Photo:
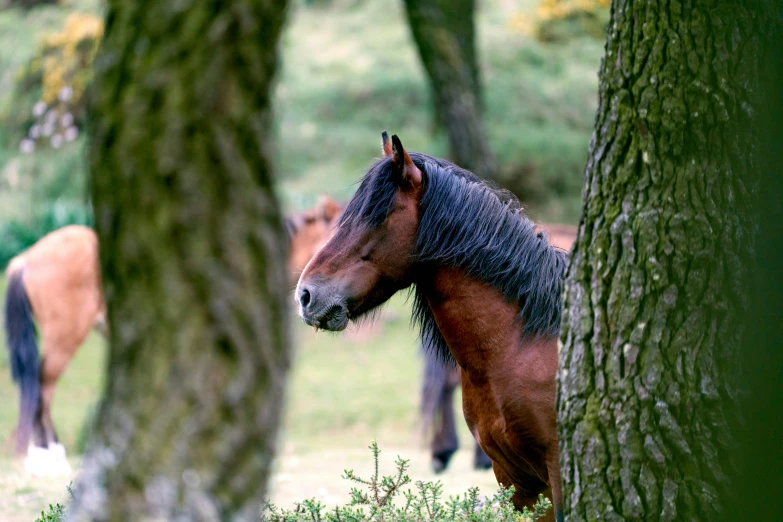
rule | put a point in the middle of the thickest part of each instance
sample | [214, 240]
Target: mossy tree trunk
[193, 260]
[651, 334]
[444, 32]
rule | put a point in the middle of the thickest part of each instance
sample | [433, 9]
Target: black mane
[466, 223]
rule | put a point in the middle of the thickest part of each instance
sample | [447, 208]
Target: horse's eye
[365, 257]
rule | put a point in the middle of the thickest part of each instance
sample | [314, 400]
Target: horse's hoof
[47, 462]
[438, 466]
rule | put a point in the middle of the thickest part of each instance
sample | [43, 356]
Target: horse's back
[62, 281]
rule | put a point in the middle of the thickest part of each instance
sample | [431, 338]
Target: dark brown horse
[441, 380]
[487, 290]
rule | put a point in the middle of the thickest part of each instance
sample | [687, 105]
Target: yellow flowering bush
[66, 57]
[559, 20]
[49, 105]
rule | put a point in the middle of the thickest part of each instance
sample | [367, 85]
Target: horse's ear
[330, 209]
[386, 144]
[409, 172]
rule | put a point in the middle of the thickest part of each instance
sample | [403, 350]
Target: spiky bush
[391, 499]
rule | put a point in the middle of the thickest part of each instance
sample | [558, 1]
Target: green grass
[343, 391]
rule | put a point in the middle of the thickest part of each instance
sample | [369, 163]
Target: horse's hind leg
[480, 459]
[52, 367]
[553, 468]
[445, 442]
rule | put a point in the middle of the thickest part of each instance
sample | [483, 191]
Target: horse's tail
[20, 339]
[436, 375]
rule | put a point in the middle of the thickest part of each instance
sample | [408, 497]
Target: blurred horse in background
[308, 231]
[57, 283]
[441, 379]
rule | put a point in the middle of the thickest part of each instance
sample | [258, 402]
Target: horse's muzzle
[320, 310]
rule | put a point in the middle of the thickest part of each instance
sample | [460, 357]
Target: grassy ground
[344, 391]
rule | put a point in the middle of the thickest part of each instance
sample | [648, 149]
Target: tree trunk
[444, 32]
[651, 335]
[759, 452]
[193, 259]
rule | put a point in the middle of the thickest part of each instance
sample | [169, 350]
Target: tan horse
[57, 282]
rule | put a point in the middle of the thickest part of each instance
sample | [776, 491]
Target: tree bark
[651, 331]
[444, 32]
[193, 258]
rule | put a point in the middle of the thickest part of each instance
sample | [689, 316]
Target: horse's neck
[480, 326]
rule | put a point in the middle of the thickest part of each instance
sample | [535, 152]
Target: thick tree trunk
[193, 261]
[759, 451]
[651, 336]
[444, 32]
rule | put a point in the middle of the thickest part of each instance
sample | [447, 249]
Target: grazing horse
[487, 292]
[57, 282]
[441, 380]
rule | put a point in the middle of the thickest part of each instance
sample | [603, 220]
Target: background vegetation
[334, 96]
[349, 71]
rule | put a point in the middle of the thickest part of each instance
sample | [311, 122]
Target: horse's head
[308, 231]
[371, 254]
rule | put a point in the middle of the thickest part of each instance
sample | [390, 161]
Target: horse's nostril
[304, 297]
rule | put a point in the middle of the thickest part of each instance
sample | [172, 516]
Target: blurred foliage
[345, 77]
[562, 20]
[49, 100]
[25, 3]
[18, 235]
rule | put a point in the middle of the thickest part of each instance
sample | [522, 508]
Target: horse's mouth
[333, 318]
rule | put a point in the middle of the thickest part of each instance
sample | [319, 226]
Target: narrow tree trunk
[444, 32]
[193, 261]
[651, 336]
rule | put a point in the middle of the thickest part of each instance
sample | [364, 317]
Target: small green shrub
[55, 513]
[375, 502]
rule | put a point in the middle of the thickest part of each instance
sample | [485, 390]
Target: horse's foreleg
[553, 468]
[521, 498]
